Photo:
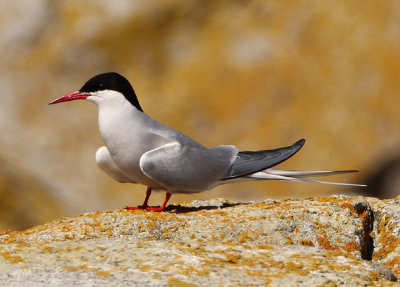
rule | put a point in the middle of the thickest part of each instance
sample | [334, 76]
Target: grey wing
[189, 167]
[249, 162]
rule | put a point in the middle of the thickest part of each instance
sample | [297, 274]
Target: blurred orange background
[256, 74]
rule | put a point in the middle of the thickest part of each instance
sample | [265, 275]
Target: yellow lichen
[47, 249]
[172, 281]
[306, 242]
[387, 241]
[351, 246]
[103, 273]
[323, 241]
[350, 207]
[144, 268]
[11, 258]
[289, 240]
[70, 268]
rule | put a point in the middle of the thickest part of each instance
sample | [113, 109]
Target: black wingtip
[300, 142]
[249, 162]
[298, 145]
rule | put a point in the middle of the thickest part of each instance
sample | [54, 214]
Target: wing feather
[248, 162]
[187, 168]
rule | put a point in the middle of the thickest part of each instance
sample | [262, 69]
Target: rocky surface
[386, 232]
[340, 240]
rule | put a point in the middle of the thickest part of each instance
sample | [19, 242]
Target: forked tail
[300, 175]
[256, 165]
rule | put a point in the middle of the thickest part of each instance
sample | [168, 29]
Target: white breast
[127, 134]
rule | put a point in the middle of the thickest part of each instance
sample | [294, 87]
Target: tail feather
[256, 165]
[306, 173]
[293, 175]
[300, 176]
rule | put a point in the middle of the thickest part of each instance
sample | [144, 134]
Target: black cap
[112, 81]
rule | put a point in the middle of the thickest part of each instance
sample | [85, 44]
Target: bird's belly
[129, 165]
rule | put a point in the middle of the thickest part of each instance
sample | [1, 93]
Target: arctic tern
[139, 149]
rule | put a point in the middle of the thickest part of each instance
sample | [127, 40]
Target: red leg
[145, 203]
[162, 207]
[146, 200]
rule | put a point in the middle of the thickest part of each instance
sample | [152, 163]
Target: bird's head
[104, 88]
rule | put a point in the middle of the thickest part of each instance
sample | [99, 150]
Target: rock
[288, 242]
[386, 232]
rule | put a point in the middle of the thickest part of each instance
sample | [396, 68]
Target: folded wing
[187, 168]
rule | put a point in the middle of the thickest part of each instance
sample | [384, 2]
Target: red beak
[75, 95]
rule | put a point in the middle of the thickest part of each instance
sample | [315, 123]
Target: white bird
[139, 149]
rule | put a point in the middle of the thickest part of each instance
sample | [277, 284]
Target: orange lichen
[10, 238]
[257, 273]
[329, 199]
[144, 268]
[387, 241]
[265, 246]
[105, 228]
[11, 258]
[244, 237]
[394, 265]
[351, 246]
[190, 270]
[103, 273]
[232, 258]
[350, 207]
[70, 268]
[179, 283]
[47, 249]
[389, 244]
[306, 242]
[150, 225]
[323, 241]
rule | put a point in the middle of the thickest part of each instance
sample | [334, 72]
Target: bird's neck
[114, 122]
[127, 129]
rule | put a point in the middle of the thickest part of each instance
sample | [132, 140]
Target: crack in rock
[365, 212]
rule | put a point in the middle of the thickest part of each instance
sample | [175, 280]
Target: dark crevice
[365, 212]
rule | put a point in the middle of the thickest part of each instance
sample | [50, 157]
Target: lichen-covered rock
[386, 232]
[288, 242]
[325, 222]
[101, 261]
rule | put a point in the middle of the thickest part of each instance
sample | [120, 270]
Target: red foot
[147, 208]
[150, 208]
[156, 209]
[136, 207]
[144, 206]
